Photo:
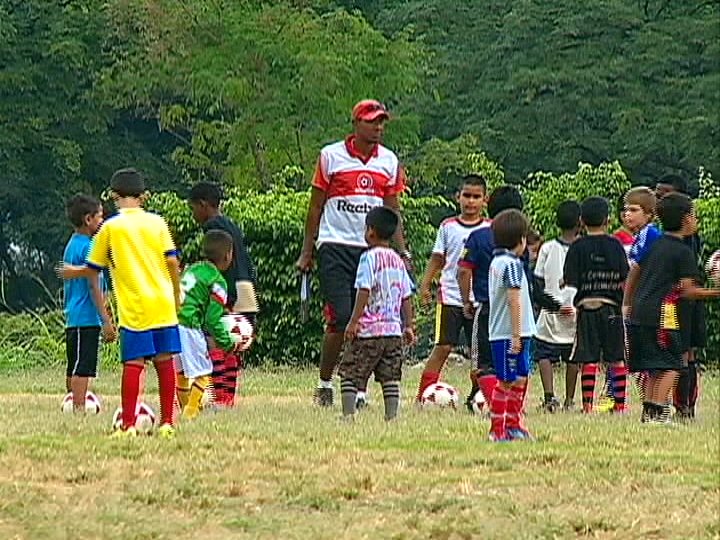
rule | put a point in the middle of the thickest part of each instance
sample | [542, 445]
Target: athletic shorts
[480, 344]
[450, 321]
[600, 335]
[693, 327]
[555, 352]
[194, 360]
[337, 270]
[647, 353]
[82, 348]
[146, 344]
[508, 366]
[382, 356]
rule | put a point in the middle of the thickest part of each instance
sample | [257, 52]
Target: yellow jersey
[134, 244]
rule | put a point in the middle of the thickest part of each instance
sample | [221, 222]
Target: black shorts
[600, 336]
[449, 322]
[646, 352]
[555, 352]
[693, 327]
[480, 351]
[82, 348]
[337, 270]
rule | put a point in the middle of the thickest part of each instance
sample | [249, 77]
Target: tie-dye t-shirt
[383, 273]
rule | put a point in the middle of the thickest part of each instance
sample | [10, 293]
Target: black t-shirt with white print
[669, 260]
[596, 265]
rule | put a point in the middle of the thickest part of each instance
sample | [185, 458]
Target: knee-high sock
[348, 393]
[196, 393]
[587, 383]
[487, 384]
[166, 388]
[129, 391]
[515, 403]
[498, 410]
[618, 376]
[231, 375]
[694, 386]
[183, 389]
[428, 378]
[217, 356]
[391, 397]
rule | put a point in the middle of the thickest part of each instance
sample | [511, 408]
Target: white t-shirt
[553, 327]
[382, 271]
[450, 243]
[507, 272]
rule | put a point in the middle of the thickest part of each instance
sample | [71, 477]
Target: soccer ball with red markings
[440, 395]
[478, 403]
[92, 403]
[712, 267]
[240, 329]
[144, 421]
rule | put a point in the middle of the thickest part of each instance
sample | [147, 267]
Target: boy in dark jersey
[205, 199]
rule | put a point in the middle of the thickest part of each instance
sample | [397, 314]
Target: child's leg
[166, 386]
[694, 384]
[388, 373]
[546, 377]
[356, 364]
[130, 389]
[199, 384]
[79, 387]
[481, 352]
[183, 389]
[231, 378]
[587, 383]
[618, 377]
[514, 422]
[433, 367]
[217, 356]
[572, 370]
[501, 392]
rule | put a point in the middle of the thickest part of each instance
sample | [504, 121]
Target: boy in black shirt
[596, 265]
[668, 274]
[205, 199]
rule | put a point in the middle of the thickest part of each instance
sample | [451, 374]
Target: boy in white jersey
[556, 331]
[511, 326]
[382, 316]
[449, 245]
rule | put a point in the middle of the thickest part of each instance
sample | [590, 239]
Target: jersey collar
[354, 152]
[504, 251]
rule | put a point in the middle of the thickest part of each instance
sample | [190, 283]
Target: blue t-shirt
[507, 272]
[79, 307]
[643, 242]
[478, 254]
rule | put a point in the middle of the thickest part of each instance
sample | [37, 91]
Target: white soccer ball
[92, 403]
[478, 403]
[144, 421]
[440, 395]
[712, 267]
[239, 328]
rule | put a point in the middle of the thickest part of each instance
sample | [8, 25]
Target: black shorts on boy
[600, 335]
[82, 348]
[555, 352]
[450, 321]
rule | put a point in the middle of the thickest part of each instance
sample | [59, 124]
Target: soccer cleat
[605, 404]
[569, 406]
[190, 413]
[361, 402]
[519, 434]
[128, 433]
[166, 431]
[684, 415]
[323, 397]
[551, 406]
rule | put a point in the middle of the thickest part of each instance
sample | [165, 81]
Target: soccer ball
[144, 421]
[239, 328]
[92, 403]
[478, 403]
[440, 395]
[712, 267]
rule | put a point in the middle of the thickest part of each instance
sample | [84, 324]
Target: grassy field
[277, 467]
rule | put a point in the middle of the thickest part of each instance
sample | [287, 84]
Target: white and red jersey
[450, 243]
[354, 185]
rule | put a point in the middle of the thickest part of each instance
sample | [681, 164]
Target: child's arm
[98, 298]
[361, 301]
[213, 319]
[436, 263]
[630, 285]
[689, 289]
[173, 266]
[513, 296]
[408, 317]
[74, 271]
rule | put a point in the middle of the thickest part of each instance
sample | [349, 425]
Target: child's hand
[351, 331]
[109, 332]
[469, 310]
[515, 345]
[409, 336]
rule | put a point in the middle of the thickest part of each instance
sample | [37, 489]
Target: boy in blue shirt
[86, 316]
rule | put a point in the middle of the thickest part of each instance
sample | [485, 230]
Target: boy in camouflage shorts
[382, 317]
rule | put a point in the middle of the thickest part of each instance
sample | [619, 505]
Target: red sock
[619, 387]
[129, 391]
[428, 378]
[230, 378]
[217, 356]
[166, 387]
[515, 403]
[587, 383]
[498, 411]
[487, 384]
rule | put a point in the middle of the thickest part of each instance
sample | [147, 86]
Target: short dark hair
[594, 211]
[474, 179]
[504, 198]
[216, 245]
[383, 220]
[672, 209]
[678, 183]
[567, 215]
[127, 183]
[79, 206]
[210, 192]
[509, 228]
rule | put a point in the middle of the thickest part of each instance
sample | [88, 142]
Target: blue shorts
[146, 344]
[509, 367]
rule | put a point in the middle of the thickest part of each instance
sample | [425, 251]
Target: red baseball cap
[369, 110]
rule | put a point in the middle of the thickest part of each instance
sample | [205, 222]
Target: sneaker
[494, 437]
[128, 433]
[551, 406]
[323, 397]
[519, 434]
[361, 402]
[166, 431]
[469, 400]
[684, 415]
[605, 404]
[569, 406]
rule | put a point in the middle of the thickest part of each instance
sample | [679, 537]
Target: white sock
[362, 395]
[325, 384]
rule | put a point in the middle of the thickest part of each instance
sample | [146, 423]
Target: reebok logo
[360, 208]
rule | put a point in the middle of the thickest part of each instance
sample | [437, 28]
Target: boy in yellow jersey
[137, 247]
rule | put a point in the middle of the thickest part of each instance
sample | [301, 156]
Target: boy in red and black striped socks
[596, 265]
